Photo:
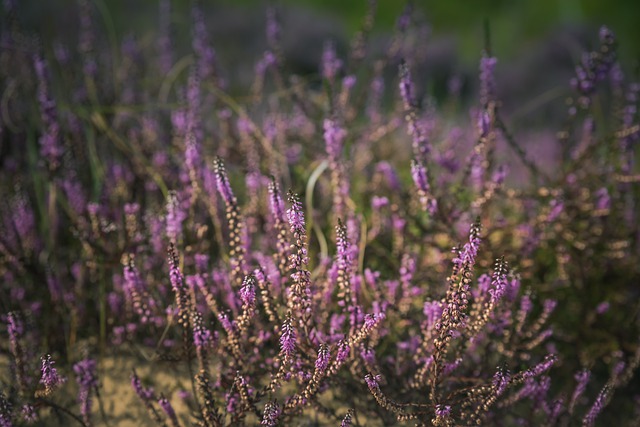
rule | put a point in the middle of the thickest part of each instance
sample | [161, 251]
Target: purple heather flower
[346, 421]
[50, 378]
[343, 248]
[582, 378]
[498, 282]
[271, 414]
[29, 414]
[484, 124]
[331, 64]
[451, 366]
[15, 328]
[369, 356]
[288, 338]
[334, 136]
[168, 409]
[487, 82]
[175, 276]
[541, 367]
[470, 249]
[248, 291]
[87, 379]
[406, 86]
[484, 283]
[373, 381]
[618, 368]
[275, 200]
[201, 335]
[227, 324]
[500, 174]
[222, 182]
[267, 60]
[500, 381]
[419, 175]
[322, 362]
[144, 393]
[549, 305]
[443, 411]
[343, 352]
[596, 408]
[433, 312]
[373, 320]
[192, 154]
[295, 215]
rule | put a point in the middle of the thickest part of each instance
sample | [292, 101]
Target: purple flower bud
[87, 379]
[222, 182]
[498, 282]
[50, 378]
[248, 291]
[470, 250]
[29, 414]
[322, 362]
[598, 405]
[168, 409]
[346, 421]
[271, 414]
[500, 381]
[373, 320]
[373, 381]
[343, 352]
[443, 411]
[582, 378]
[543, 366]
[295, 215]
[201, 335]
[144, 393]
[406, 86]
[484, 124]
[288, 339]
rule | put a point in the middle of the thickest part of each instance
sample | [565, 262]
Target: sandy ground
[119, 402]
[121, 405]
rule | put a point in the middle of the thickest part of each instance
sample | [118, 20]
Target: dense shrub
[288, 249]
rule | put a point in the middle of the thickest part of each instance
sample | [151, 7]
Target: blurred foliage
[515, 25]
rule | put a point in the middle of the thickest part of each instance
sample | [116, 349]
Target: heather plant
[333, 249]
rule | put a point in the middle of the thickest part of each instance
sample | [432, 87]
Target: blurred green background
[515, 24]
